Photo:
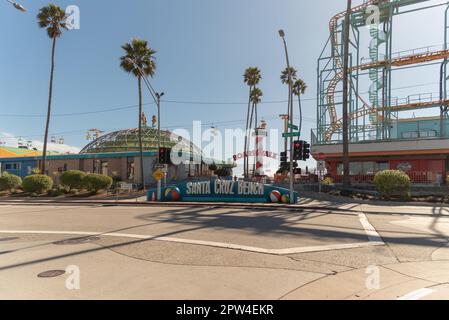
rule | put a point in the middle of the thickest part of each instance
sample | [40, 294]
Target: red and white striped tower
[260, 135]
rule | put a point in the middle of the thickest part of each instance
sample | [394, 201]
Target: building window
[12, 166]
[104, 168]
[367, 168]
[131, 168]
[410, 135]
[428, 134]
[356, 168]
[382, 166]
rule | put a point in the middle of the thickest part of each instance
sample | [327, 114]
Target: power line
[114, 109]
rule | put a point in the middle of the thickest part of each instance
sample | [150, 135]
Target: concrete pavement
[201, 252]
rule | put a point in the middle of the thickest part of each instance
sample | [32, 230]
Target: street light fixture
[157, 99]
[16, 5]
[290, 114]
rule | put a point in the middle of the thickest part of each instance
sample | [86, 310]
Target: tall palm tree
[285, 75]
[53, 18]
[256, 98]
[299, 88]
[140, 61]
[252, 78]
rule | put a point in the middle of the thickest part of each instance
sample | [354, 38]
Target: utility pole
[290, 112]
[346, 166]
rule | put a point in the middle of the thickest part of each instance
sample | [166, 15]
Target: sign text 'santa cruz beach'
[217, 190]
[224, 187]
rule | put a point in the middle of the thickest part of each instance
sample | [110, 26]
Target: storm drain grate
[8, 239]
[51, 274]
[83, 240]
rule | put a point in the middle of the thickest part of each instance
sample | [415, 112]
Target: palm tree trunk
[50, 95]
[255, 128]
[300, 114]
[142, 173]
[250, 127]
[245, 159]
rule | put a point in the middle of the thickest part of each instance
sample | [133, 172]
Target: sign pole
[159, 190]
[319, 181]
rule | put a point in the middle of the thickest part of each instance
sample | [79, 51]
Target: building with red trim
[415, 146]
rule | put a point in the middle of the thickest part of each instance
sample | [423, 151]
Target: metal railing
[417, 177]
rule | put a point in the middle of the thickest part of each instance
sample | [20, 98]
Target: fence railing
[415, 177]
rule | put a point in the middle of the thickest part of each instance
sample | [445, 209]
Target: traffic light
[283, 157]
[164, 155]
[305, 151]
[284, 161]
[298, 150]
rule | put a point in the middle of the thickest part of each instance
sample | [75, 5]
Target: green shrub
[391, 183]
[73, 179]
[57, 191]
[96, 182]
[328, 181]
[37, 183]
[9, 182]
[213, 167]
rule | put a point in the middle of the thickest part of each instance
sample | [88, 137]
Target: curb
[180, 204]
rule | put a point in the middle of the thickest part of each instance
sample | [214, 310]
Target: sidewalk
[311, 201]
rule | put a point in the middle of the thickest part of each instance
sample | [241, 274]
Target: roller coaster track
[367, 109]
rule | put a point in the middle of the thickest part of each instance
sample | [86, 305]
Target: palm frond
[143, 56]
[53, 18]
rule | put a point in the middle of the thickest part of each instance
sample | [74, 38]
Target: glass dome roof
[128, 141]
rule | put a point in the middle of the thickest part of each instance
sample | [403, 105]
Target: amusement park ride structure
[370, 118]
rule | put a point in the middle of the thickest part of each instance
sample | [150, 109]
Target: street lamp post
[16, 5]
[157, 99]
[346, 165]
[290, 114]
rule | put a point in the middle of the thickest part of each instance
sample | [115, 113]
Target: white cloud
[10, 140]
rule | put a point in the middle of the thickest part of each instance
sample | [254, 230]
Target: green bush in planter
[391, 183]
[73, 179]
[9, 182]
[96, 182]
[37, 183]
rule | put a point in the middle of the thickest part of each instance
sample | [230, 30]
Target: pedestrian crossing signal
[305, 151]
[164, 155]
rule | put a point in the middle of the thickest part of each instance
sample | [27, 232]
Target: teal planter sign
[224, 191]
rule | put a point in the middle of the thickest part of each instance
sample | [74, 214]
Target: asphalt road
[115, 252]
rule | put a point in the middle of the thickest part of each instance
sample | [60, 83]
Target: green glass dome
[128, 141]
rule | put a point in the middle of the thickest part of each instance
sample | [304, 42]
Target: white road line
[206, 243]
[418, 294]
[371, 232]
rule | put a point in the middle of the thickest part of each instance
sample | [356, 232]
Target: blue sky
[203, 48]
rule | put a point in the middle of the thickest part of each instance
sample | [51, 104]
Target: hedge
[37, 183]
[390, 183]
[73, 179]
[9, 182]
[96, 182]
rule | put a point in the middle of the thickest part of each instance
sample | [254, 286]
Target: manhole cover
[8, 239]
[51, 274]
[83, 240]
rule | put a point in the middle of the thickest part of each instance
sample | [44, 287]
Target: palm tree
[252, 78]
[299, 88]
[285, 75]
[53, 18]
[140, 61]
[256, 98]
